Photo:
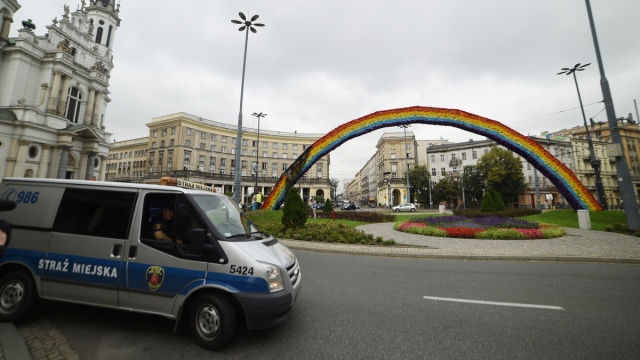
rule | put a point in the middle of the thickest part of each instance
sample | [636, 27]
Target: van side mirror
[197, 241]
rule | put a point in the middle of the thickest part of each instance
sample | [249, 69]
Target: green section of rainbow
[562, 177]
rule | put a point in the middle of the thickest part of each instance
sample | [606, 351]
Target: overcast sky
[319, 64]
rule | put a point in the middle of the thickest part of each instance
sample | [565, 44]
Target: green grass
[569, 218]
[562, 218]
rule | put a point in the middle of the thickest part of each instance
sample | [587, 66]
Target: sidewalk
[577, 246]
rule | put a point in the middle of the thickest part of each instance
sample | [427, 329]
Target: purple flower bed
[477, 223]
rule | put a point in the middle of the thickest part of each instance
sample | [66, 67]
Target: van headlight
[274, 277]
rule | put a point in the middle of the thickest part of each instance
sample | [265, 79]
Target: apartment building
[203, 151]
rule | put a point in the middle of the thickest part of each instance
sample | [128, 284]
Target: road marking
[548, 307]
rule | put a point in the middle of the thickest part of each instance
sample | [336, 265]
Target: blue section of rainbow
[562, 177]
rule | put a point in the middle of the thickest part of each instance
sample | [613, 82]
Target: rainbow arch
[562, 177]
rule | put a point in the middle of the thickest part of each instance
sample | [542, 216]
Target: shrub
[617, 228]
[328, 206]
[294, 214]
[501, 234]
[553, 232]
[492, 201]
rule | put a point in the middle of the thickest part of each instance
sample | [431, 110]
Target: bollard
[333, 215]
[584, 221]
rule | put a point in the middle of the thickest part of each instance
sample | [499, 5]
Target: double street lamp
[258, 115]
[595, 163]
[246, 26]
[406, 154]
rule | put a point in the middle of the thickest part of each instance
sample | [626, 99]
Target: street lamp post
[406, 154]
[595, 163]
[246, 26]
[430, 201]
[258, 115]
[625, 184]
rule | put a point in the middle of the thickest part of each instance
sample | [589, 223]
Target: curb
[364, 250]
[12, 345]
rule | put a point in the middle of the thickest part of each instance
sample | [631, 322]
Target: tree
[447, 190]
[419, 179]
[294, 214]
[503, 172]
[334, 187]
[473, 185]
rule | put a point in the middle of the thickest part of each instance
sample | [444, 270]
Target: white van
[96, 243]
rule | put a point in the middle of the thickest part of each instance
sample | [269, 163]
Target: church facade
[54, 92]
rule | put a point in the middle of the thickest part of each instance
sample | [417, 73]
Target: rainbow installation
[576, 194]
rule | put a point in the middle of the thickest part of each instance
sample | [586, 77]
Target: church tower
[55, 91]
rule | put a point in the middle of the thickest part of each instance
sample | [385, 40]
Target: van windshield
[225, 215]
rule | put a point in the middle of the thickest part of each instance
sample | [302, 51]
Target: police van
[98, 243]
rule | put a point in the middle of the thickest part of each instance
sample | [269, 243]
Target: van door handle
[133, 250]
[115, 250]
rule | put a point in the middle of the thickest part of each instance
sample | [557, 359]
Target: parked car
[404, 207]
[351, 206]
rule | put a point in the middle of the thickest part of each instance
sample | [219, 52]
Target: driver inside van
[163, 225]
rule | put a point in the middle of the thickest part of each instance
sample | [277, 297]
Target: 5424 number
[241, 270]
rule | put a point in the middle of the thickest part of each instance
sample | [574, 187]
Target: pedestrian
[253, 202]
[313, 207]
[258, 201]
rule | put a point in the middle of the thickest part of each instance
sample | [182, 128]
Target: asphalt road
[360, 307]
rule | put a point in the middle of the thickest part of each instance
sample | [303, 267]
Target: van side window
[99, 213]
[167, 224]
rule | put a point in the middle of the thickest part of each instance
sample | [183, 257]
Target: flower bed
[490, 227]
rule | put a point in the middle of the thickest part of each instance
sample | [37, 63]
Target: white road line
[548, 307]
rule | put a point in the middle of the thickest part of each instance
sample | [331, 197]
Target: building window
[464, 156]
[187, 160]
[188, 131]
[162, 144]
[99, 35]
[275, 145]
[441, 157]
[443, 172]
[74, 100]
[173, 131]
[433, 158]
[187, 143]
[172, 142]
[393, 156]
[213, 148]
[285, 146]
[214, 137]
[203, 146]
[275, 155]
[109, 35]
[244, 152]
[285, 155]
[155, 133]
[433, 171]
[265, 154]
[203, 135]
[265, 144]
[474, 154]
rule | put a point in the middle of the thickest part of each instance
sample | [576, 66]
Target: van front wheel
[17, 294]
[212, 321]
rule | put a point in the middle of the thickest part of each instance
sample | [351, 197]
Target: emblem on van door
[155, 275]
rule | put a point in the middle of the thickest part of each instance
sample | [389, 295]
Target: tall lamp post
[595, 163]
[246, 26]
[258, 115]
[406, 154]
[626, 186]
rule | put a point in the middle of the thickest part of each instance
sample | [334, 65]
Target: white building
[54, 92]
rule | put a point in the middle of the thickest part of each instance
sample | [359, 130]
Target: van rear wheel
[17, 295]
[212, 321]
